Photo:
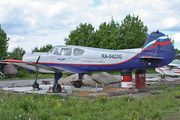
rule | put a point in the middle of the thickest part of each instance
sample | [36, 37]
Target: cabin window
[63, 51]
[78, 52]
[66, 51]
[57, 51]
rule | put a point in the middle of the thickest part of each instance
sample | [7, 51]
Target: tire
[78, 84]
[56, 88]
[35, 85]
[162, 76]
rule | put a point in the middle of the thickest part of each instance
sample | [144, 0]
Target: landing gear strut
[57, 88]
[35, 84]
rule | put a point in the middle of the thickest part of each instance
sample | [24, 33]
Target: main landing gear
[56, 87]
[78, 82]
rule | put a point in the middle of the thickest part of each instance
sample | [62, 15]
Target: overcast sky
[32, 23]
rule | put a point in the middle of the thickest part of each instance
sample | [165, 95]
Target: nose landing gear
[35, 84]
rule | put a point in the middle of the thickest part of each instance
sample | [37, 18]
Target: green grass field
[55, 107]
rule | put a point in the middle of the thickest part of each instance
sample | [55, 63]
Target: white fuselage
[89, 55]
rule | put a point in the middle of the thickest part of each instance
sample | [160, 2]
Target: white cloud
[41, 22]
[176, 38]
[170, 22]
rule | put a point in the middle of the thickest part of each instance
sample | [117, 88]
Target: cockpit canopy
[65, 51]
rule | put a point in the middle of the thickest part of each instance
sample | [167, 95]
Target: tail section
[158, 46]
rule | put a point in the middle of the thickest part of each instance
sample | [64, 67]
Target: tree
[3, 43]
[82, 36]
[107, 35]
[175, 49]
[17, 53]
[132, 32]
[176, 53]
[45, 48]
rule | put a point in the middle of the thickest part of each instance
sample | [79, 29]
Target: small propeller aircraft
[63, 59]
[172, 69]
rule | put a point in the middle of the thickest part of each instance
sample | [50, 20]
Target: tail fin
[158, 45]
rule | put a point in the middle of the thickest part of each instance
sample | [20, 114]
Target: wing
[35, 66]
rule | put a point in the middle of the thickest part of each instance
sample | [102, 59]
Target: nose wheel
[35, 85]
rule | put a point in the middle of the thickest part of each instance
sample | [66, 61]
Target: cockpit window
[78, 52]
[66, 51]
[51, 50]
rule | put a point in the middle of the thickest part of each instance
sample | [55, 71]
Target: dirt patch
[87, 80]
[174, 117]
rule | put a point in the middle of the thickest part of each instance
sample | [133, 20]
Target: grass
[45, 107]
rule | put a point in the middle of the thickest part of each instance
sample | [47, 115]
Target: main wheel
[162, 76]
[78, 84]
[35, 85]
[56, 88]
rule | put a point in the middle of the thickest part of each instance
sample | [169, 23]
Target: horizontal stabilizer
[151, 57]
[173, 65]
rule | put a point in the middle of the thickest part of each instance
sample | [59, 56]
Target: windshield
[51, 50]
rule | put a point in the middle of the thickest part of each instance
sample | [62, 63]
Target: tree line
[130, 33]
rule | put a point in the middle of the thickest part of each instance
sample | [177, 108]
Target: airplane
[172, 69]
[64, 59]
